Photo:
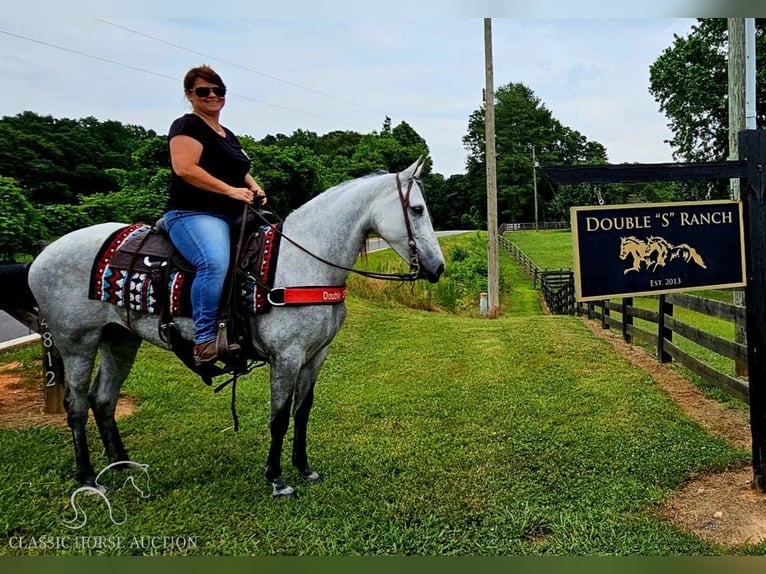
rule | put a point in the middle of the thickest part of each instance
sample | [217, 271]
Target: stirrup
[222, 345]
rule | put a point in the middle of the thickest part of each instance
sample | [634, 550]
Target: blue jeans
[204, 240]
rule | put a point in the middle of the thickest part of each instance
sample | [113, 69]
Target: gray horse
[332, 226]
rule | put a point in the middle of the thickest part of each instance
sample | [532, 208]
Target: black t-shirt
[222, 157]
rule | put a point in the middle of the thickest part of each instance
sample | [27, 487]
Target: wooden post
[663, 333]
[752, 148]
[627, 319]
[736, 69]
[53, 372]
[605, 314]
[493, 268]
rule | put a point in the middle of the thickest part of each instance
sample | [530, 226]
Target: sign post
[53, 372]
[750, 171]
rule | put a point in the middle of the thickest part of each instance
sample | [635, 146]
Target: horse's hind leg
[78, 368]
[118, 351]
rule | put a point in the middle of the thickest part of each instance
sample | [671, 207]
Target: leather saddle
[152, 252]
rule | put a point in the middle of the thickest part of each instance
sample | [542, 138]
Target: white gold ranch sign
[627, 250]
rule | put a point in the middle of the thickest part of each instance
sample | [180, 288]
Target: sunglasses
[203, 92]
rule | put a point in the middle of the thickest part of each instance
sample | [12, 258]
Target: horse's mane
[341, 187]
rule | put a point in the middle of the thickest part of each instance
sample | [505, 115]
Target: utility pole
[534, 183]
[493, 266]
[736, 69]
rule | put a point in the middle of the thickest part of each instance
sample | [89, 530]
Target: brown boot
[205, 352]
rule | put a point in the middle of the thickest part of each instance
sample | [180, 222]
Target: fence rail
[558, 291]
[662, 336]
[525, 226]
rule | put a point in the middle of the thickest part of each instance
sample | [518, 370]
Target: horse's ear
[415, 169]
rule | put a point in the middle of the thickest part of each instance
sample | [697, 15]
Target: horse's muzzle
[431, 276]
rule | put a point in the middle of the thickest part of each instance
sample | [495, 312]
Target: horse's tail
[15, 295]
[688, 253]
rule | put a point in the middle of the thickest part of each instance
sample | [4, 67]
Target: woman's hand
[248, 194]
[258, 191]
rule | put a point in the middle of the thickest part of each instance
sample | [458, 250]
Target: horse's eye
[417, 209]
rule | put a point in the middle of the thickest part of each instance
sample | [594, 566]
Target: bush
[458, 290]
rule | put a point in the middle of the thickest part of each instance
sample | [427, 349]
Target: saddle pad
[118, 285]
[113, 281]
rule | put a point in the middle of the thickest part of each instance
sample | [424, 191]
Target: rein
[404, 199]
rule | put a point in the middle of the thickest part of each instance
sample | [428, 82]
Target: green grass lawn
[437, 435]
[548, 248]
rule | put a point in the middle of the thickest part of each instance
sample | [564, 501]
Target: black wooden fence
[667, 329]
[557, 285]
[558, 291]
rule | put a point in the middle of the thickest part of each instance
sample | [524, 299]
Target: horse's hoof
[282, 490]
[312, 476]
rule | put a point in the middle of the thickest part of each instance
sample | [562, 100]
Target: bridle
[414, 261]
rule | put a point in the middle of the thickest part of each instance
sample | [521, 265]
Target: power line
[167, 77]
[235, 65]
[175, 79]
[252, 71]
[85, 54]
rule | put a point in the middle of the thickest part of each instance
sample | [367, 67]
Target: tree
[20, 226]
[59, 159]
[690, 82]
[522, 120]
[290, 174]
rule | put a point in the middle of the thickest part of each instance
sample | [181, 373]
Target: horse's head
[625, 246]
[401, 218]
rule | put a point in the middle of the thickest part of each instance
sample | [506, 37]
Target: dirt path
[21, 402]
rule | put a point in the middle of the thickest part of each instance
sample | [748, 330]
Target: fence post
[53, 372]
[752, 148]
[663, 333]
[605, 314]
[627, 319]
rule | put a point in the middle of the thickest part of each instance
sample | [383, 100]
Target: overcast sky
[286, 73]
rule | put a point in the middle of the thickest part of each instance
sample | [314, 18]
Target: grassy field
[456, 436]
[459, 290]
[549, 249]
[437, 434]
[552, 249]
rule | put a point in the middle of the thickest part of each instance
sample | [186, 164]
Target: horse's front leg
[304, 400]
[282, 385]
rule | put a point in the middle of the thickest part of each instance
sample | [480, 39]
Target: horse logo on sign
[656, 252]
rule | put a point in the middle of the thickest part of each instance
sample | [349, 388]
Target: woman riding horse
[209, 182]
